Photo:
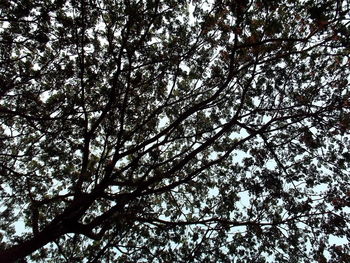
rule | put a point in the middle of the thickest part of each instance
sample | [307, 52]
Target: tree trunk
[61, 225]
[16, 252]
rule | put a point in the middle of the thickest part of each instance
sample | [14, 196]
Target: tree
[174, 131]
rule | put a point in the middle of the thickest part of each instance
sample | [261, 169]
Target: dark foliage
[174, 131]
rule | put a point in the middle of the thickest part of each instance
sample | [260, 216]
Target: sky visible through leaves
[175, 131]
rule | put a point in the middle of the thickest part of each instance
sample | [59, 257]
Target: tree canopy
[174, 131]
